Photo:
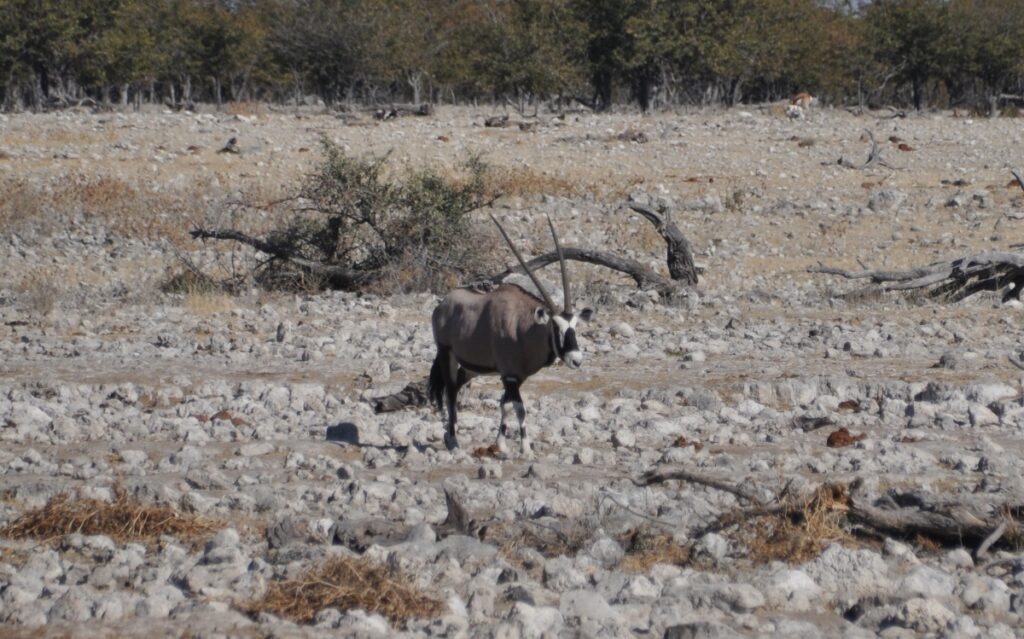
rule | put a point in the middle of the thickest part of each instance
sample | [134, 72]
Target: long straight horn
[522, 262]
[566, 288]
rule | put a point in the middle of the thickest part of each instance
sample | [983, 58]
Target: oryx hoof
[526, 450]
[451, 442]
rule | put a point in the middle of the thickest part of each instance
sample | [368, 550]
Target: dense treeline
[600, 52]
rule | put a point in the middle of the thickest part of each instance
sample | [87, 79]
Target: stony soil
[252, 409]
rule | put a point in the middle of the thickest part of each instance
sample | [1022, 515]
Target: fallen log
[977, 523]
[949, 280]
[403, 110]
[413, 395]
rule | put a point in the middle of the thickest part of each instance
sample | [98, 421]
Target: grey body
[508, 332]
[494, 332]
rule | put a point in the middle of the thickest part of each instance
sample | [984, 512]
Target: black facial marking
[569, 342]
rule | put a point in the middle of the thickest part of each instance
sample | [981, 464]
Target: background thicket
[651, 53]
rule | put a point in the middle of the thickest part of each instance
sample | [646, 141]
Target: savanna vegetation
[652, 53]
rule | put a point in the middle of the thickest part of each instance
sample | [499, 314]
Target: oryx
[508, 332]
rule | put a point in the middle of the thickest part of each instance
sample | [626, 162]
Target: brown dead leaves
[682, 442]
[491, 451]
[841, 437]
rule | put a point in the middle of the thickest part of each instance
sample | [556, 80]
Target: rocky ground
[251, 410]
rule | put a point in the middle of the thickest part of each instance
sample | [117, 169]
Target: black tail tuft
[435, 386]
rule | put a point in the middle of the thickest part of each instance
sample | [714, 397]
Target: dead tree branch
[978, 523]
[644, 277]
[951, 280]
[337, 276]
[679, 256]
[661, 476]
[874, 157]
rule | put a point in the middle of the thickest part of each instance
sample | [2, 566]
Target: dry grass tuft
[525, 182]
[245, 107]
[202, 295]
[39, 291]
[800, 533]
[125, 519]
[645, 548]
[549, 540]
[208, 303]
[345, 583]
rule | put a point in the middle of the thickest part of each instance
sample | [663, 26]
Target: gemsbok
[508, 332]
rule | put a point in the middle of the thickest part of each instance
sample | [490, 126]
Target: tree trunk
[642, 89]
[602, 90]
[124, 95]
[735, 94]
[415, 81]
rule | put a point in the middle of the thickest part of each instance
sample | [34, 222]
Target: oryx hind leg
[453, 378]
[513, 398]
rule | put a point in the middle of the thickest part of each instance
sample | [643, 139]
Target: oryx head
[563, 323]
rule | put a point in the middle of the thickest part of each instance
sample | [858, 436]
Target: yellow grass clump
[346, 583]
[125, 519]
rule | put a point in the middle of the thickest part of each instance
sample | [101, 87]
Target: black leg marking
[512, 396]
[450, 376]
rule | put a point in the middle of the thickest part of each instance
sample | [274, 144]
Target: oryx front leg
[513, 397]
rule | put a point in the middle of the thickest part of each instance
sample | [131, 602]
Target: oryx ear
[540, 315]
[586, 314]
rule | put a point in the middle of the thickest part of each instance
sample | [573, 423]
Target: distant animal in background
[804, 100]
[508, 332]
